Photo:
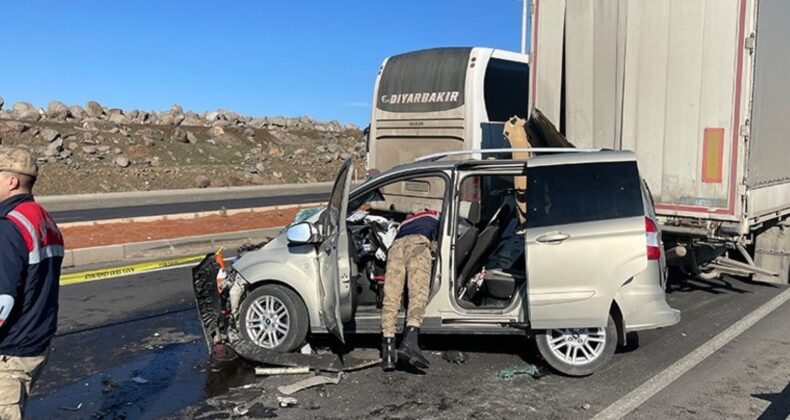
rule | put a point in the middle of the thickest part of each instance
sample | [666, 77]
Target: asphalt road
[145, 327]
[106, 213]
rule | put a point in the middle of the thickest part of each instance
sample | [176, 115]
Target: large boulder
[54, 148]
[211, 116]
[216, 131]
[192, 119]
[77, 112]
[27, 115]
[166, 118]
[49, 134]
[22, 106]
[94, 109]
[57, 110]
[150, 134]
[202, 181]
[118, 117]
[180, 135]
[17, 126]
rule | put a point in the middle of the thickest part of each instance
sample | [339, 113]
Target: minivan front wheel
[578, 351]
[274, 317]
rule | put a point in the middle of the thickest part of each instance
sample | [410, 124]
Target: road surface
[132, 347]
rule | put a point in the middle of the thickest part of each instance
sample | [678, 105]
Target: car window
[578, 193]
[403, 196]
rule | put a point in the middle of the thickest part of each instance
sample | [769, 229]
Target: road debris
[260, 371]
[586, 406]
[306, 349]
[78, 407]
[309, 383]
[287, 401]
[139, 380]
[526, 368]
[109, 385]
[454, 356]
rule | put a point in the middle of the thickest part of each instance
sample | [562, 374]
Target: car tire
[274, 317]
[578, 351]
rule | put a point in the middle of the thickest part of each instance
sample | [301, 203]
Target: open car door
[333, 255]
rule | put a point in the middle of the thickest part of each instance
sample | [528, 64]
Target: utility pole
[524, 26]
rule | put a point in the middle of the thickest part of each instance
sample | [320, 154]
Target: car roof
[539, 160]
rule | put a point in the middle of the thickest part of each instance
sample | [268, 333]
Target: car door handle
[552, 238]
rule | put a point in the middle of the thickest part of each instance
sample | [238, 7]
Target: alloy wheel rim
[577, 346]
[268, 321]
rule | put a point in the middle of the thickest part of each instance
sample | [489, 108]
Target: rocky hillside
[96, 149]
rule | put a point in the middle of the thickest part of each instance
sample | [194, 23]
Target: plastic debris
[287, 401]
[454, 356]
[139, 380]
[526, 368]
[309, 383]
[282, 370]
[306, 349]
[76, 408]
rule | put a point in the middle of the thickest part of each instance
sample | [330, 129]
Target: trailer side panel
[768, 176]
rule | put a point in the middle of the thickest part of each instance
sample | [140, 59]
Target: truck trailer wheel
[578, 351]
[274, 317]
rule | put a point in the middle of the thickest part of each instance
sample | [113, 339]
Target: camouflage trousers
[409, 259]
[17, 375]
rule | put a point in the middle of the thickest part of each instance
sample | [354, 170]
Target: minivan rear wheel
[274, 317]
[578, 351]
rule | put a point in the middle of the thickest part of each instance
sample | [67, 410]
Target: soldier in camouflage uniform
[408, 264]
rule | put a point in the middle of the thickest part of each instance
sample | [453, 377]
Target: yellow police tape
[126, 270]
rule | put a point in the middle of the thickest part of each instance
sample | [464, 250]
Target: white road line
[635, 398]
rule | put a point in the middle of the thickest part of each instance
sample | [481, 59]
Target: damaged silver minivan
[575, 259]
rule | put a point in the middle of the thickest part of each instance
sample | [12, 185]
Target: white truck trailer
[700, 91]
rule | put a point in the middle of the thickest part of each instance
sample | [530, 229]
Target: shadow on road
[780, 404]
[725, 284]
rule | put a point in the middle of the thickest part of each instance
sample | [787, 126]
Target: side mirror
[302, 233]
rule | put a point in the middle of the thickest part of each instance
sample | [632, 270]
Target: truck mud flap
[218, 328]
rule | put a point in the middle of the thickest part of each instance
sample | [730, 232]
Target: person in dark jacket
[31, 253]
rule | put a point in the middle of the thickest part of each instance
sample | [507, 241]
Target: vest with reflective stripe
[41, 234]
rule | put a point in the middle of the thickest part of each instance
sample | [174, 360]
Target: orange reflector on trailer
[712, 155]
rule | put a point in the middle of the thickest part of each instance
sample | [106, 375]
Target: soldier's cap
[14, 159]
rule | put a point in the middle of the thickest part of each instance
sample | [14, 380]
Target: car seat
[486, 240]
[465, 243]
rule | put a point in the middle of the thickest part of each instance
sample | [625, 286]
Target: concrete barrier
[81, 257]
[55, 203]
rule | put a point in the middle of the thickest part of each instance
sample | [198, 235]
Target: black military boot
[409, 350]
[388, 356]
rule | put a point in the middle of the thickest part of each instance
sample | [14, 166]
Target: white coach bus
[444, 99]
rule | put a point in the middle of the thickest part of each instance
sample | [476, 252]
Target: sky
[287, 57]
